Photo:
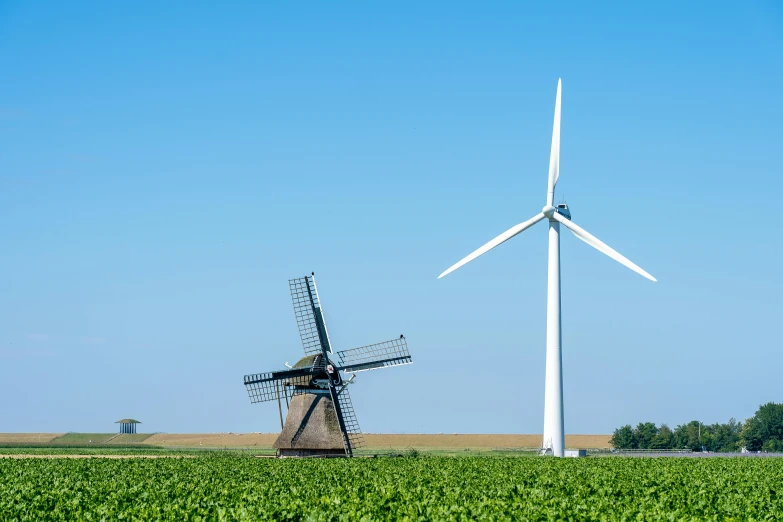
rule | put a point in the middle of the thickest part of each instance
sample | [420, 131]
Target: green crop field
[423, 488]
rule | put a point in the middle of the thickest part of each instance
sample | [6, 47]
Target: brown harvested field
[373, 440]
[213, 440]
[71, 456]
[383, 441]
[461, 441]
[37, 438]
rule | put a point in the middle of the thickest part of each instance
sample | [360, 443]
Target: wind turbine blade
[502, 238]
[554, 155]
[599, 245]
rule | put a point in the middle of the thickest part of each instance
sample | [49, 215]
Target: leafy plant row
[428, 488]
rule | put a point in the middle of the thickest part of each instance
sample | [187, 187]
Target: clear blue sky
[165, 168]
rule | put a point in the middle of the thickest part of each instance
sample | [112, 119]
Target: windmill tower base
[311, 428]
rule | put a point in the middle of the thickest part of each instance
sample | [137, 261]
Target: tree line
[762, 432]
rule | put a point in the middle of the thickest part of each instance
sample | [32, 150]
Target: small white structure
[576, 453]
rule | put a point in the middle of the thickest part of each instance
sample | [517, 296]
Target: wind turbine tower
[554, 433]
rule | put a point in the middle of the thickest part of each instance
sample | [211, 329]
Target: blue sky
[164, 169]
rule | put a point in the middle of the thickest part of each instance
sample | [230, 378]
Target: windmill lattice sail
[271, 386]
[352, 431]
[374, 356]
[309, 316]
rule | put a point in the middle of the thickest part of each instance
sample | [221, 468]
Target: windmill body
[554, 432]
[320, 419]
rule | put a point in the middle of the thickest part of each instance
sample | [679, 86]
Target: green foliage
[688, 436]
[764, 431]
[624, 438]
[723, 437]
[435, 488]
[773, 446]
[644, 433]
[82, 438]
[694, 436]
[663, 439]
[752, 435]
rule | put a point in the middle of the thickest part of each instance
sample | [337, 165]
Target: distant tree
[752, 437]
[725, 437]
[695, 436]
[664, 439]
[764, 431]
[623, 438]
[708, 439]
[686, 436]
[772, 445]
[644, 434]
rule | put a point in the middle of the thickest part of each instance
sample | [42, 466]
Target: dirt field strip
[213, 440]
[35, 438]
[383, 441]
[471, 441]
[66, 456]
[373, 440]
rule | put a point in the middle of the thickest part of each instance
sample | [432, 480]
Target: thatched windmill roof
[304, 362]
[307, 361]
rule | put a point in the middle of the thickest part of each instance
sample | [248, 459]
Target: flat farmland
[383, 441]
[28, 438]
[472, 441]
[376, 441]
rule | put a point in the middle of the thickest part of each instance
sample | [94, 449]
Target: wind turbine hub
[548, 210]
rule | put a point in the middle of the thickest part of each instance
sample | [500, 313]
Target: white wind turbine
[554, 437]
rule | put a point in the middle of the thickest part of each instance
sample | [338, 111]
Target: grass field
[81, 438]
[71, 439]
[218, 487]
[130, 438]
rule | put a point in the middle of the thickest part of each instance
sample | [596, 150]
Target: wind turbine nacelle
[562, 209]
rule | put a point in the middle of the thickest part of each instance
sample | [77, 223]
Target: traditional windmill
[320, 418]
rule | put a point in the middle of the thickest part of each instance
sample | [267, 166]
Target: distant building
[128, 425]
[576, 453]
